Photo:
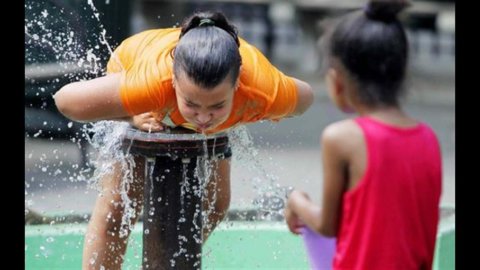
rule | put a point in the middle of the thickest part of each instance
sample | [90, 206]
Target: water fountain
[173, 214]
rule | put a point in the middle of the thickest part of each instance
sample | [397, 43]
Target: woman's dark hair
[207, 51]
[372, 46]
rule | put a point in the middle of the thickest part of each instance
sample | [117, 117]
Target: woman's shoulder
[258, 72]
[148, 46]
[252, 58]
[156, 31]
[149, 35]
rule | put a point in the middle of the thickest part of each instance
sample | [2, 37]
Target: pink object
[320, 249]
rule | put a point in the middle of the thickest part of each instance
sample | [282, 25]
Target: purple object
[320, 249]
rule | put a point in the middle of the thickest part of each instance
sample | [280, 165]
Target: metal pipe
[173, 191]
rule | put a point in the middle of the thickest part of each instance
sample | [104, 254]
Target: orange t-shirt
[145, 61]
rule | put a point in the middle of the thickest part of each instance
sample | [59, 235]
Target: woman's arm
[304, 97]
[92, 100]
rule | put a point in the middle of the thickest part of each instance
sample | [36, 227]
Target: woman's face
[204, 108]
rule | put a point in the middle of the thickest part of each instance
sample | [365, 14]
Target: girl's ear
[237, 82]
[337, 89]
[334, 85]
[174, 81]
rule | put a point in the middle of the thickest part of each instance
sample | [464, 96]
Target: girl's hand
[293, 221]
[298, 193]
[294, 224]
[147, 122]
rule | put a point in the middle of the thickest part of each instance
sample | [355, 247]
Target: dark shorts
[227, 154]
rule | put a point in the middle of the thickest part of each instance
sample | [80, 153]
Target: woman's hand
[147, 122]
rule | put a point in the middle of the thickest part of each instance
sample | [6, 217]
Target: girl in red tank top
[382, 169]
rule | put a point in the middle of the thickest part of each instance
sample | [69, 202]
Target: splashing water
[270, 197]
[203, 172]
[103, 38]
[54, 33]
[56, 51]
[107, 140]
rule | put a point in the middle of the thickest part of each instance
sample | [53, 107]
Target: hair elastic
[206, 22]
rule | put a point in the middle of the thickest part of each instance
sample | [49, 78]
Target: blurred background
[71, 40]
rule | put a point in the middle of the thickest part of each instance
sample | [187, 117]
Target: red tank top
[389, 220]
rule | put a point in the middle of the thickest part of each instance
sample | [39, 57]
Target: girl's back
[389, 219]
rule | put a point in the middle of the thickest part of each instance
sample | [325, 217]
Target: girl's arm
[335, 160]
[324, 220]
[92, 100]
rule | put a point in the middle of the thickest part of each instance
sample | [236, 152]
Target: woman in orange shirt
[202, 77]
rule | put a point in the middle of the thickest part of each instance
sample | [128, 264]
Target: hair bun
[385, 10]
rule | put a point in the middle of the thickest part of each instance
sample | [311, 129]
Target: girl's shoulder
[342, 130]
[344, 136]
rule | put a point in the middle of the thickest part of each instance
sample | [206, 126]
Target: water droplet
[37, 134]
